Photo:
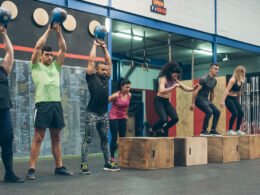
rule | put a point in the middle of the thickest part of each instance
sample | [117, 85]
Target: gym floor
[215, 178]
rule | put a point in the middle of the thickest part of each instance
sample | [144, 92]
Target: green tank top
[47, 82]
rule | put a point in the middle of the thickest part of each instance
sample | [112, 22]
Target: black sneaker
[31, 174]
[63, 171]
[214, 132]
[111, 167]
[84, 169]
[205, 133]
[13, 179]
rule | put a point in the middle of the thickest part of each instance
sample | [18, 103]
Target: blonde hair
[239, 73]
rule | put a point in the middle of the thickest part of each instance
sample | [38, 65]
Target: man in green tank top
[48, 110]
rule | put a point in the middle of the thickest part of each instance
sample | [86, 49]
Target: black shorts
[48, 115]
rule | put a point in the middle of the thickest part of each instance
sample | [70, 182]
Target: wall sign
[158, 7]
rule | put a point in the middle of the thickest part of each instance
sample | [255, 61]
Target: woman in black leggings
[168, 81]
[6, 130]
[231, 99]
[119, 113]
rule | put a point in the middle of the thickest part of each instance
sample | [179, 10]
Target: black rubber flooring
[215, 178]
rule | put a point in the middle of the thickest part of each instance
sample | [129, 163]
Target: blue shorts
[6, 128]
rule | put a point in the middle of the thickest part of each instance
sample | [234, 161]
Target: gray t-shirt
[207, 84]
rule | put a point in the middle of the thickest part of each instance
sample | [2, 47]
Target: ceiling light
[137, 38]
[127, 36]
[107, 24]
[225, 58]
[208, 53]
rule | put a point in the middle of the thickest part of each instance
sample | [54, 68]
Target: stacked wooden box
[223, 148]
[190, 151]
[146, 152]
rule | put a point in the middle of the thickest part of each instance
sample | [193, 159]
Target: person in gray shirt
[207, 84]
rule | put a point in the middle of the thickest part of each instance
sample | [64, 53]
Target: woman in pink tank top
[118, 113]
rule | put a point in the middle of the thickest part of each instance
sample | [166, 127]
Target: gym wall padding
[198, 116]
[228, 115]
[172, 131]
[185, 126]
[151, 115]
[219, 92]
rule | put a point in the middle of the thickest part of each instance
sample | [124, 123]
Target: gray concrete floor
[228, 178]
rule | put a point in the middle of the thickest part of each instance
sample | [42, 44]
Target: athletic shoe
[113, 160]
[31, 174]
[231, 132]
[239, 132]
[111, 167]
[63, 171]
[84, 169]
[204, 133]
[13, 179]
[215, 133]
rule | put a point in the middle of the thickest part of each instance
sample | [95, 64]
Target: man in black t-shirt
[207, 84]
[6, 129]
[96, 117]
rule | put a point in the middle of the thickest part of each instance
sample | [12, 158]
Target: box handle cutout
[153, 153]
[190, 151]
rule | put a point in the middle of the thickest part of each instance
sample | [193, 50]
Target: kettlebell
[59, 15]
[5, 16]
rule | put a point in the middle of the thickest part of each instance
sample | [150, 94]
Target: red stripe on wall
[172, 131]
[228, 115]
[20, 48]
[198, 116]
[68, 55]
[151, 114]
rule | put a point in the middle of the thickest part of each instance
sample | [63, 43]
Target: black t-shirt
[98, 88]
[5, 100]
[207, 84]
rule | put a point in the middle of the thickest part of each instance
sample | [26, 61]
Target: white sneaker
[239, 132]
[231, 132]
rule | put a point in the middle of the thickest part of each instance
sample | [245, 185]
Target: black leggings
[116, 125]
[234, 107]
[164, 110]
[6, 140]
[208, 108]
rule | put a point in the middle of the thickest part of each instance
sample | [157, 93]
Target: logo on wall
[158, 7]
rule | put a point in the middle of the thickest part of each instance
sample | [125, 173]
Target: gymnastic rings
[145, 66]
[132, 63]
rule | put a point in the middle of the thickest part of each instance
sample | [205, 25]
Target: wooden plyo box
[190, 151]
[257, 146]
[146, 153]
[223, 149]
[247, 146]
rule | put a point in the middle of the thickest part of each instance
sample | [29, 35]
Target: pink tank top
[119, 107]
